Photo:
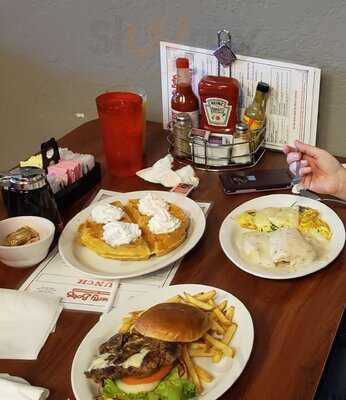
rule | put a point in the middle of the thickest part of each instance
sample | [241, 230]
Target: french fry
[215, 326]
[200, 353]
[125, 327]
[212, 302]
[174, 299]
[183, 300]
[217, 356]
[229, 313]
[198, 303]
[222, 305]
[220, 316]
[229, 351]
[204, 375]
[198, 346]
[192, 370]
[229, 333]
[206, 295]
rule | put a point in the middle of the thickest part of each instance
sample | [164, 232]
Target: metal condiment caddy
[219, 146]
[204, 152]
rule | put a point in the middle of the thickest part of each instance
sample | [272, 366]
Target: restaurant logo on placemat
[86, 294]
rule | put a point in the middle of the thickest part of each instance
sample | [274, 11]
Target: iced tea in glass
[130, 88]
[122, 126]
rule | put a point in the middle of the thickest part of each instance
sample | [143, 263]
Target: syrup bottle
[183, 99]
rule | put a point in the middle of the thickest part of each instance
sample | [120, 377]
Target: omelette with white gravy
[282, 236]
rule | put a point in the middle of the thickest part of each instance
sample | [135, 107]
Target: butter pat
[33, 161]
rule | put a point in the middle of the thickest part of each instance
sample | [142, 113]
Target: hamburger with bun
[145, 363]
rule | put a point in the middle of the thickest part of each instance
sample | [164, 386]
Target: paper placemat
[84, 292]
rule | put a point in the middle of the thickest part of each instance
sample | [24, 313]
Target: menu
[292, 107]
[80, 291]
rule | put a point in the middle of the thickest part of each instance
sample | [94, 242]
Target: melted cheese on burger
[100, 362]
[136, 359]
[133, 361]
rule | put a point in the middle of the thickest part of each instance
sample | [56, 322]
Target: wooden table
[295, 320]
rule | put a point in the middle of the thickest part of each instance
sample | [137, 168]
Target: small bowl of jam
[25, 240]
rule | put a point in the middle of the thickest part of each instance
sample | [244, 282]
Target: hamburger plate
[149, 357]
[138, 360]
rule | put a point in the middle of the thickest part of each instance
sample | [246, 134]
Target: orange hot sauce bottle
[219, 103]
[183, 99]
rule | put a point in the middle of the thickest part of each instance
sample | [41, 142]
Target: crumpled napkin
[26, 320]
[161, 172]
[15, 388]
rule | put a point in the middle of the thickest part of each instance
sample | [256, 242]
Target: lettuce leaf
[172, 387]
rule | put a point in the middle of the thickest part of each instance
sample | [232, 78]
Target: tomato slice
[156, 376]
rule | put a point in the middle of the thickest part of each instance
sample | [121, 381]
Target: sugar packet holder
[209, 148]
[87, 177]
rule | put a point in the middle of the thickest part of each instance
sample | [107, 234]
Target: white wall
[55, 56]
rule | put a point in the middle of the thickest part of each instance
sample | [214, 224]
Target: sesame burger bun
[173, 322]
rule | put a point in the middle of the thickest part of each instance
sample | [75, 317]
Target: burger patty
[123, 345]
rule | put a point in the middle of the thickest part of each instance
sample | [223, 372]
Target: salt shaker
[241, 144]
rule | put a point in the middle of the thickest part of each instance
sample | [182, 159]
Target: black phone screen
[255, 180]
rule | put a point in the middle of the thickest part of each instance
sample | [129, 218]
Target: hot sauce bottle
[183, 99]
[255, 113]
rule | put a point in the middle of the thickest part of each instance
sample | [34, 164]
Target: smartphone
[255, 181]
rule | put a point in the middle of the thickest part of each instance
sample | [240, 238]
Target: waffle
[90, 235]
[162, 243]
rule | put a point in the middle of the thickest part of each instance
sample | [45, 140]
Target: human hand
[320, 171]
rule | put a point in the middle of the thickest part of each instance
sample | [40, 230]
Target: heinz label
[217, 111]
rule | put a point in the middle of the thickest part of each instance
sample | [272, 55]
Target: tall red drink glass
[122, 126]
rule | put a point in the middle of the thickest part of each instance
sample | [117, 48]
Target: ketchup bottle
[219, 100]
[183, 99]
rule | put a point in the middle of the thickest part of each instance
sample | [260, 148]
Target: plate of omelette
[132, 234]
[282, 236]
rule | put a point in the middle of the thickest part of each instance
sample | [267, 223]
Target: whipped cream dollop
[163, 222]
[151, 203]
[104, 213]
[118, 233]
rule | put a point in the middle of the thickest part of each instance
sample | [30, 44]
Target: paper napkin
[161, 172]
[15, 388]
[26, 320]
